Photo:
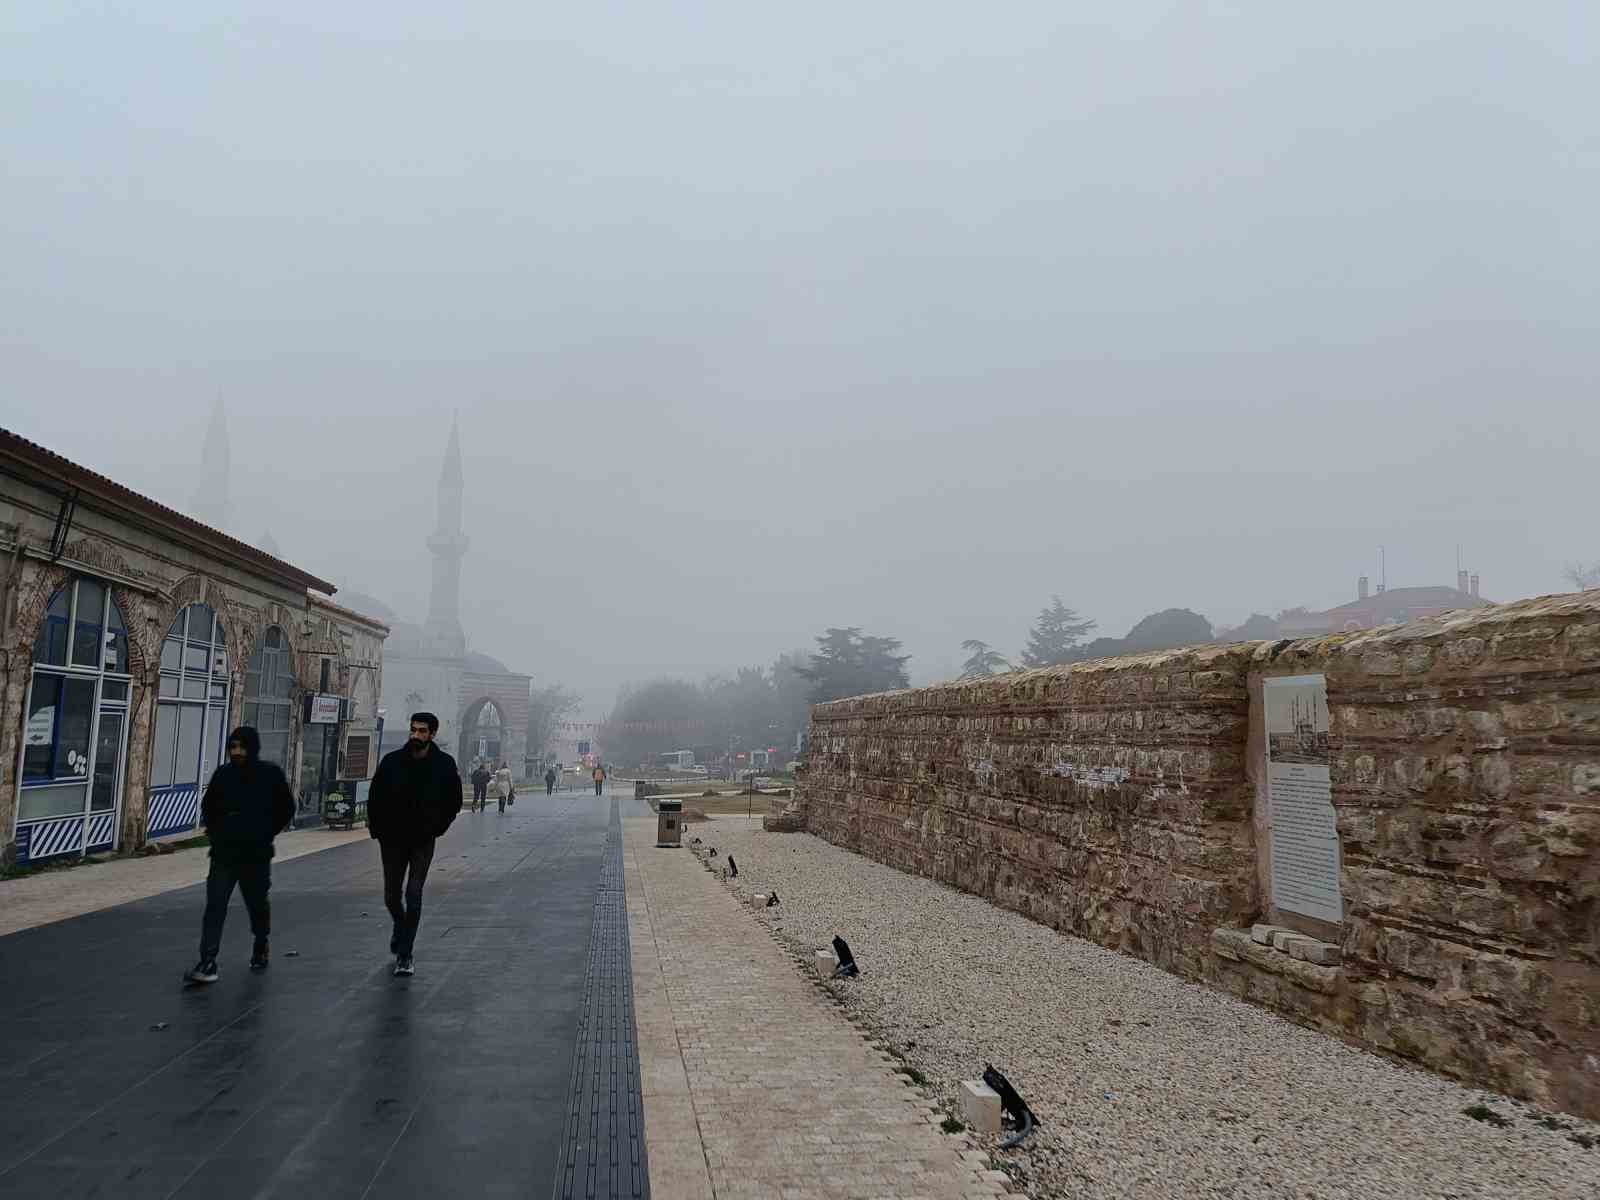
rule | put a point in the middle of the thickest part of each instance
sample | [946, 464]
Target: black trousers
[405, 870]
[480, 793]
[597, 786]
[254, 880]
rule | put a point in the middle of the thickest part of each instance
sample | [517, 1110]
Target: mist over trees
[982, 660]
[757, 708]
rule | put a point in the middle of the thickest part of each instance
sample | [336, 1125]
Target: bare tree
[1583, 576]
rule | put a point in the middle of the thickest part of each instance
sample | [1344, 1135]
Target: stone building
[481, 704]
[132, 638]
[1390, 834]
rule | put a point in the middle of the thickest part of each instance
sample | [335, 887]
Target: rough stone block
[1324, 954]
[1262, 934]
[980, 1106]
[758, 900]
[826, 963]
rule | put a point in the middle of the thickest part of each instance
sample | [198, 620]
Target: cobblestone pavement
[57, 895]
[755, 1085]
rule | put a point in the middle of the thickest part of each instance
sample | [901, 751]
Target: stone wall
[1123, 801]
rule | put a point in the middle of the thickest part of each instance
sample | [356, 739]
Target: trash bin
[669, 822]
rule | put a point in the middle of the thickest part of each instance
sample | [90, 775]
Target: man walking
[415, 795]
[480, 786]
[503, 785]
[246, 805]
[549, 781]
[599, 778]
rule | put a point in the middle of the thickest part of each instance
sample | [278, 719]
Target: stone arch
[471, 718]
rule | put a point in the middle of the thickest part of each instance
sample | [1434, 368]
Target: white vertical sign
[1304, 830]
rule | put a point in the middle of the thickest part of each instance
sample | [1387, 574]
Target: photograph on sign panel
[1297, 720]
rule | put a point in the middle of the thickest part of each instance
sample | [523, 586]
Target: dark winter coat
[412, 800]
[246, 807]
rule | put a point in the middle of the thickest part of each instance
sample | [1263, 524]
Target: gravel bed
[1145, 1085]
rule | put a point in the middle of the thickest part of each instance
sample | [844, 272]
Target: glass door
[102, 824]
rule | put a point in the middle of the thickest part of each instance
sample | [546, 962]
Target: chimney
[1461, 582]
[1474, 587]
[1362, 588]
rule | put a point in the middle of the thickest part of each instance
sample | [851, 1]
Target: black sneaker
[204, 972]
[260, 957]
[402, 965]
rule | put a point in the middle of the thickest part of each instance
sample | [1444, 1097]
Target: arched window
[75, 743]
[268, 684]
[189, 718]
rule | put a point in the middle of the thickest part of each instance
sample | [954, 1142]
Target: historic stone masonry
[1444, 907]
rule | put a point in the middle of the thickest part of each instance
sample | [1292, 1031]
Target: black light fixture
[772, 899]
[847, 968]
[1014, 1105]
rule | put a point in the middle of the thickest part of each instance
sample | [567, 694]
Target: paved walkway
[324, 1076]
[57, 895]
[755, 1085]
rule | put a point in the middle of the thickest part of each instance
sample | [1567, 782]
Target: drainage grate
[604, 1156]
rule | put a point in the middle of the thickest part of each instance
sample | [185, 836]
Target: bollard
[980, 1106]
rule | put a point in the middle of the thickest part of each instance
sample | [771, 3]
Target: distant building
[1384, 607]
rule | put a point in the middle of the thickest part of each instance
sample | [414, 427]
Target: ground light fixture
[847, 968]
[1011, 1103]
[733, 868]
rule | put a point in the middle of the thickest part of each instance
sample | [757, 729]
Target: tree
[1167, 630]
[983, 660]
[1258, 627]
[1054, 634]
[546, 707]
[1583, 576]
[849, 663]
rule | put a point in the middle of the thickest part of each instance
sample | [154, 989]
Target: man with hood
[246, 805]
[549, 781]
[415, 795]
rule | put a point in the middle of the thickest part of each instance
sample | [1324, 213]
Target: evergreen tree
[848, 663]
[982, 661]
[1054, 634]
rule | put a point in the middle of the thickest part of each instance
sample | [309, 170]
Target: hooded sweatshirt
[246, 807]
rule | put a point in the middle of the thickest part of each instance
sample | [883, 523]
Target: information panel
[1305, 835]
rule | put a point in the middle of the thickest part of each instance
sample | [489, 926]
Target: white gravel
[1145, 1085]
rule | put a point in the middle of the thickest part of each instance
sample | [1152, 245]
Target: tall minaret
[211, 496]
[448, 544]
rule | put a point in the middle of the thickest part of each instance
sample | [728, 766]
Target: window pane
[72, 728]
[200, 621]
[191, 723]
[274, 638]
[41, 731]
[86, 643]
[219, 691]
[107, 751]
[194, 689]
[166, 732]
[114, 689]
[219, 661]
[171, 654]
[177, 624]
[275, 748]
[58, 801]
[169, 687]
[212, 746]
[249, 715]
[50, 646]
[196, 658]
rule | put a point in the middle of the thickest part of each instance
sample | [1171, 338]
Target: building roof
[349, 614]
[91, 487]
[1413, 597]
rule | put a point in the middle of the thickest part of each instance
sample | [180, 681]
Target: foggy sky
[765, 318]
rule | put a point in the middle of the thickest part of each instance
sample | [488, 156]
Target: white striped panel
[50, 838]
[102, 830]
[174, 810]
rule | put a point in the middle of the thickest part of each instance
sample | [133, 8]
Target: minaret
[211, 496]
[448, 544]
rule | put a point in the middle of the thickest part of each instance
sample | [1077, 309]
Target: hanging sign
[323, 709]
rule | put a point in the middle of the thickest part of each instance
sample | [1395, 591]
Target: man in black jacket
[414, 797]
[246, 805]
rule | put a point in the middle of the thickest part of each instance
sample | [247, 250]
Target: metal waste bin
[669, 822]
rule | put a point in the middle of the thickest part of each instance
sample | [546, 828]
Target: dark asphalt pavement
[324, 1076]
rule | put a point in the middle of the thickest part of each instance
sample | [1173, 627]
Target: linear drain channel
[604, 1151]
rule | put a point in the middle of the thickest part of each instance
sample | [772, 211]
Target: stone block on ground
[980, 1106]
[827, 963]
